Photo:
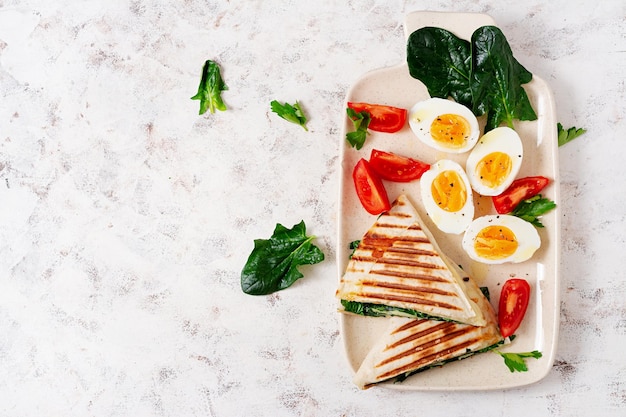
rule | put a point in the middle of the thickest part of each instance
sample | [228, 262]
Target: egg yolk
[448, 191]
[494, 168]
[495, 242]
[450, 130]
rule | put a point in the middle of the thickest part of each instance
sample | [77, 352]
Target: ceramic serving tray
[394, 86]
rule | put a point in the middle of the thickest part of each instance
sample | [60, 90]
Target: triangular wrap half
[411, 345]
[398, 263]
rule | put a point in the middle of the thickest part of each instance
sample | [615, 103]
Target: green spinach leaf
[482, 74]
[442, 61]
[273, 264]
[497, 79]
[293, 114]
[361, 121]
[353, 247]
[210, 88]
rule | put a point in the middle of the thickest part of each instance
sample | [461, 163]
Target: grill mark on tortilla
[407, 326]
[409, 275]
[441, 326]
[410, 263]
[394, 247]
[408, 250]
[382, 237]
[406, 287]
[377, 255]
[433, 357]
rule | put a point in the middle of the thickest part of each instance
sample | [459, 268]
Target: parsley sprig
[291, 113]
[565, 136]
[533, 208]
[517, 361]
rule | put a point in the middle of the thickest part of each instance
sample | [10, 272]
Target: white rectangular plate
[394, 86]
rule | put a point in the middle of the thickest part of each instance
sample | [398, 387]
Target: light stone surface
[125, 217]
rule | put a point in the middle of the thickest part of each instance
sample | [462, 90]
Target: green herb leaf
[485, 291]
[497, 79]
[533, 208]
[565, 136]
[517, 361]
[361, 121]
[353, 246]
[293, 114]
[442, 61]
[273, 264]
[210, 88]
[481, 74]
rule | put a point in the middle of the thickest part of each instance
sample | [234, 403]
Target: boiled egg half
[495, 161]
[447, 196]
[497, 239]
[444, 125]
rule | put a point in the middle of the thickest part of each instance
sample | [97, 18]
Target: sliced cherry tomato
[513, 303]
[521, 189]
[383, 118]
[370, 189]
[392, 167]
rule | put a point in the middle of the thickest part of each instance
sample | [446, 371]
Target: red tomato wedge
[513, 303]
[392, 167]
[383, 118]
[369, 188]
[521, 189]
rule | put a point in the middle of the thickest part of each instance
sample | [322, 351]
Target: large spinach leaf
[273, 263]
[497, 79]
[442, 61]
[482, 74]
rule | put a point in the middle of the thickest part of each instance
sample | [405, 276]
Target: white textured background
[125, 218]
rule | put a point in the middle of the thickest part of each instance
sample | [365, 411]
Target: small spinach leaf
[360, 121]
[353, 247]
[210, 88]
[273, 264]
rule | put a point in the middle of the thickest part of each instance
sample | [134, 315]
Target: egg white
[525, 233]
[423, 113]
[447, 221]
[501, 139]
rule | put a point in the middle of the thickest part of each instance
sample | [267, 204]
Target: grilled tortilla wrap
[413, 345]
[398, 264]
